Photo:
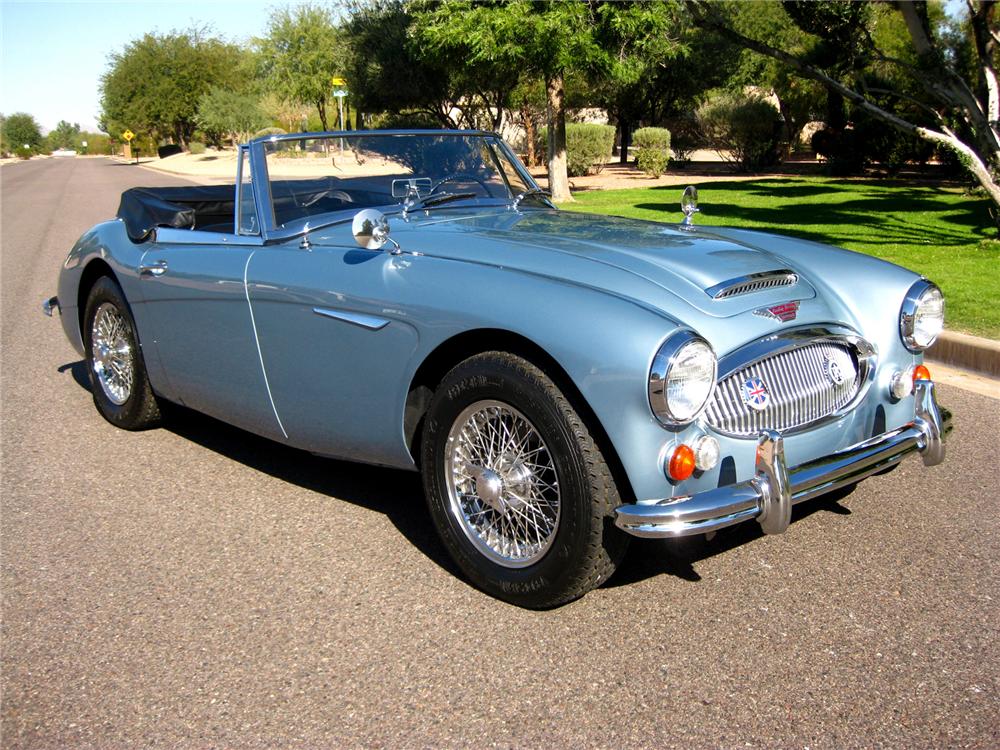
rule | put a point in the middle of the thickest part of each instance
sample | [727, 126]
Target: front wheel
[118, 380]
[518, 489]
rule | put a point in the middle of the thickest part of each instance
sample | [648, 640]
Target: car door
[334, 346]
[196, 303]
[194, 293]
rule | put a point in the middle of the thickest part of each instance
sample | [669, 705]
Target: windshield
[312, 176]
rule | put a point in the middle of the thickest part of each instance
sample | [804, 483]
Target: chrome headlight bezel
[665, 359]
[920, 293]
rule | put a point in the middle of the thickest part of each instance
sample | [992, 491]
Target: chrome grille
[753, 283]
[800, 389]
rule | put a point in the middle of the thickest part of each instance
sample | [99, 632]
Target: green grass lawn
[937, 231]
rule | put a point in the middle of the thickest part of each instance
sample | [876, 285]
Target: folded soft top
[142, 209]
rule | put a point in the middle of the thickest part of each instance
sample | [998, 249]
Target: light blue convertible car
[563, 381]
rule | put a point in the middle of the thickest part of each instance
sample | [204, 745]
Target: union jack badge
[755, 394]
[784, 312]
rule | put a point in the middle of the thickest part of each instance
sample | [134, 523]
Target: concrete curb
[970, 352]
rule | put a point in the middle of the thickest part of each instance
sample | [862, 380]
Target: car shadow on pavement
[398, 495]
[678, 557]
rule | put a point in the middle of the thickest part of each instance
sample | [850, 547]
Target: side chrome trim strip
[256, 340]
[370, 322]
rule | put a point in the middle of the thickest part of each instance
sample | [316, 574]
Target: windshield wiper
[441, 198]
[527, 194]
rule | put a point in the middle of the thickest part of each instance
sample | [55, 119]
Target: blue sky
[52, 55]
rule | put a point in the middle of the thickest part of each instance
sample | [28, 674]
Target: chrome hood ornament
[689, 205]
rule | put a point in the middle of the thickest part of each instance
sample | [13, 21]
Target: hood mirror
[689, 205]
[371, 230]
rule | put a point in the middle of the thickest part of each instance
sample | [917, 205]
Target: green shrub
[264, 132]
[745, 130]
[588, 147]
[196, 147]
[97, 143]
[652, 150]
[402, 121]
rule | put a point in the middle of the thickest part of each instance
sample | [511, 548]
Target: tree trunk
[626, 128]
[529, 136]
[321, 107]
[556, 110]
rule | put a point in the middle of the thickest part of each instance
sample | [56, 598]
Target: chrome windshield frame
[273, 233]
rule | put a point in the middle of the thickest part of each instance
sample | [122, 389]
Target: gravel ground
[196, 586]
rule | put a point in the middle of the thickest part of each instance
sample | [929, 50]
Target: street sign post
[128, 135]
[340, 94]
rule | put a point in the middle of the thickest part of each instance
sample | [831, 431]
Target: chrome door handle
[156, 268]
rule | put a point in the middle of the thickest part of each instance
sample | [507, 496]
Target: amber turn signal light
[682, 463]
[921, 373]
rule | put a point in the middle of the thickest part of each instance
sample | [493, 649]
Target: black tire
[139, 409]
[585, 547]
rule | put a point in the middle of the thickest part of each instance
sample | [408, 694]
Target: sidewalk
[972, 353]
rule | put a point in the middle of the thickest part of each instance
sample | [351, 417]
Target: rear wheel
[118, 380]
[518, 489]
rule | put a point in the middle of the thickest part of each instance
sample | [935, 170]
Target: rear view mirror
[413, 186]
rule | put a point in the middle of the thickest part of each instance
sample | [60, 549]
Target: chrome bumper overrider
[768, 497]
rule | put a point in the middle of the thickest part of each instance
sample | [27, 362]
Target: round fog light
[902, 383]
[706, 453]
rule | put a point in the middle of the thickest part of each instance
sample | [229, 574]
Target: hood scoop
[754, 282]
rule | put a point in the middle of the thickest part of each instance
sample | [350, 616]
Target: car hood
[659, 266]
[641, 259]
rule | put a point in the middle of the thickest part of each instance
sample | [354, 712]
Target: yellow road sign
[128, 135]
[338, 81]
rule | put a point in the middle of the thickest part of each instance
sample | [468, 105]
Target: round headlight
[682, 378]
[921, 319]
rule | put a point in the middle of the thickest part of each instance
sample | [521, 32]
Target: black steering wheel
[467, 176]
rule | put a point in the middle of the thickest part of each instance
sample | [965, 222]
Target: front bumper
[768, 496]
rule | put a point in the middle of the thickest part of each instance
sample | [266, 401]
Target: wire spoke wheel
[502, 484]
[111, 350]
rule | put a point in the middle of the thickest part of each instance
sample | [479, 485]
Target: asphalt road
[196, 586]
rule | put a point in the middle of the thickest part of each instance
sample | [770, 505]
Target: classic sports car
[563, 381]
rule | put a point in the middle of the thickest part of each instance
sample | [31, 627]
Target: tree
[637, 39]
[389, 70]
[965, 114]
[479, 87]
[545, 39]
[153, 86]
[19, 130]
[64, 135]
[300, 55]
[236, 115]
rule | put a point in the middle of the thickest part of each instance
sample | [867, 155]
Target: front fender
[605, 344]
[106, 244]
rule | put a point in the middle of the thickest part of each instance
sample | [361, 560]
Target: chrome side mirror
[371, 230]
[689, 205]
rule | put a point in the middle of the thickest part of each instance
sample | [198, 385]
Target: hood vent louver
[754, 282]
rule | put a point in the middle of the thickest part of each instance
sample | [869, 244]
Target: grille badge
[832, 370]
[755, 394]
[784, 312]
